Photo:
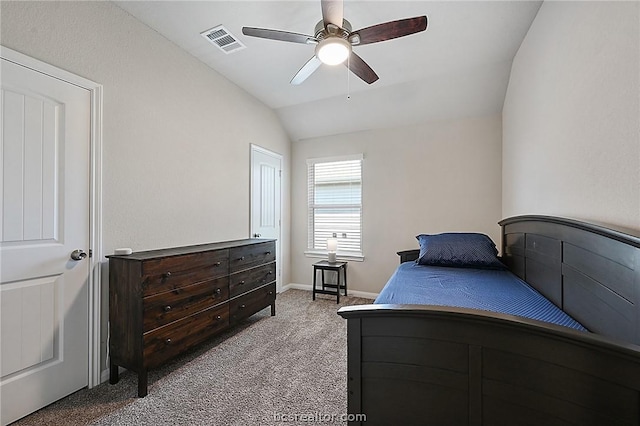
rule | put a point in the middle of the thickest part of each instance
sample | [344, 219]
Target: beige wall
[571, 140]
[437, 177]
[176, 136]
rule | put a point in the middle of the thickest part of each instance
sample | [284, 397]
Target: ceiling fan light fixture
[333, 50]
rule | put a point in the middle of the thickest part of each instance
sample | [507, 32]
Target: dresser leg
[113, 373]
[273, 309]
[142, 383]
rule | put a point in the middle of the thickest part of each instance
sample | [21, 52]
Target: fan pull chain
[348, 77]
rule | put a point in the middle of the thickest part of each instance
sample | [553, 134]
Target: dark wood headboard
[594, 276]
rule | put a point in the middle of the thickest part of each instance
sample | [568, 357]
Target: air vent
[222, 38]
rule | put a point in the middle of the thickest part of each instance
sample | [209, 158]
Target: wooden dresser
[163, 302]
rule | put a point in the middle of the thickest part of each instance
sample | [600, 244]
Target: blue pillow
[458, 249]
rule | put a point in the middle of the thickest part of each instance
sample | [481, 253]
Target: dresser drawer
[169, 306]
[244, 306]
[160, 275]
[242, 282]
[166, 342]
[246, 257]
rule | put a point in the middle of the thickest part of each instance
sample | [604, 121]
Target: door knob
[257, 235]
[78, 254]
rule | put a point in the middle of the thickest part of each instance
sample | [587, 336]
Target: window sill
[340, 256]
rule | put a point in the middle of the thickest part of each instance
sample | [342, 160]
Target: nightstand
[332, 289]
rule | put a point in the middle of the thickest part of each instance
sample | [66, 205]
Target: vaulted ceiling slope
[458, 67]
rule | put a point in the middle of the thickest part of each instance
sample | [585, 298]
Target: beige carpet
[265, 371]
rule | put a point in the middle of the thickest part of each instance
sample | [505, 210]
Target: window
[335, 204]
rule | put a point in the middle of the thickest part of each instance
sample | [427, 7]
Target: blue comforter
[486, 289]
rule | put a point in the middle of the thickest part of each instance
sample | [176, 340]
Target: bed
[470, 362]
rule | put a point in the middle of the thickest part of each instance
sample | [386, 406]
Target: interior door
[44, 230]
[266, 185]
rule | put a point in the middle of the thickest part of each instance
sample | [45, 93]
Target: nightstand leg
[338, 286]
[315, 275]
[344, 271]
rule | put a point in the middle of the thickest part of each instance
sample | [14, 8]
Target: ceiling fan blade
[332, 12]
[360, 68]
[391, 30]
[279, 35]
[306, 70]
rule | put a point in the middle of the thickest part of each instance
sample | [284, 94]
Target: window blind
[335, 203]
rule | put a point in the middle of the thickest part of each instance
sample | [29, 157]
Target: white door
[266, 185]
[44, 203]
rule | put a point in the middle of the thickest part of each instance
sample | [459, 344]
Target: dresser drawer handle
[166, 275]
[217, 264]
[218, 291]
[270, 273]
[241, 282]
[218, 318]
[168, 341]
[241, 258]
[270, 293]
[167, 308]
[243, 306]
[268, 253]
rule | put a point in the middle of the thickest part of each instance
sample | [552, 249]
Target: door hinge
[90, 253]
[280, 173]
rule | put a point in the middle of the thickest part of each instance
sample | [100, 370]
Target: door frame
[95, 197]
[257, 148]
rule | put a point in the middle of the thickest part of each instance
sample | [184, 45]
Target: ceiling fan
[334, 40]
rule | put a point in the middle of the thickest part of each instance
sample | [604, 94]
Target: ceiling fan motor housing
[331, 30]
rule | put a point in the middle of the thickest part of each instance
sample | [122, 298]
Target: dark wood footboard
[428, 365]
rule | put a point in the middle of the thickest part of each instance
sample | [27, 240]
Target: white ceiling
[458, 67]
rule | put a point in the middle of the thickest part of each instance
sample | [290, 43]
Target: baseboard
[363, 294]
[309, 287]
[306, 287]
[104, 376]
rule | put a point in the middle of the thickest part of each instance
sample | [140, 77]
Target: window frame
[316, 253]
